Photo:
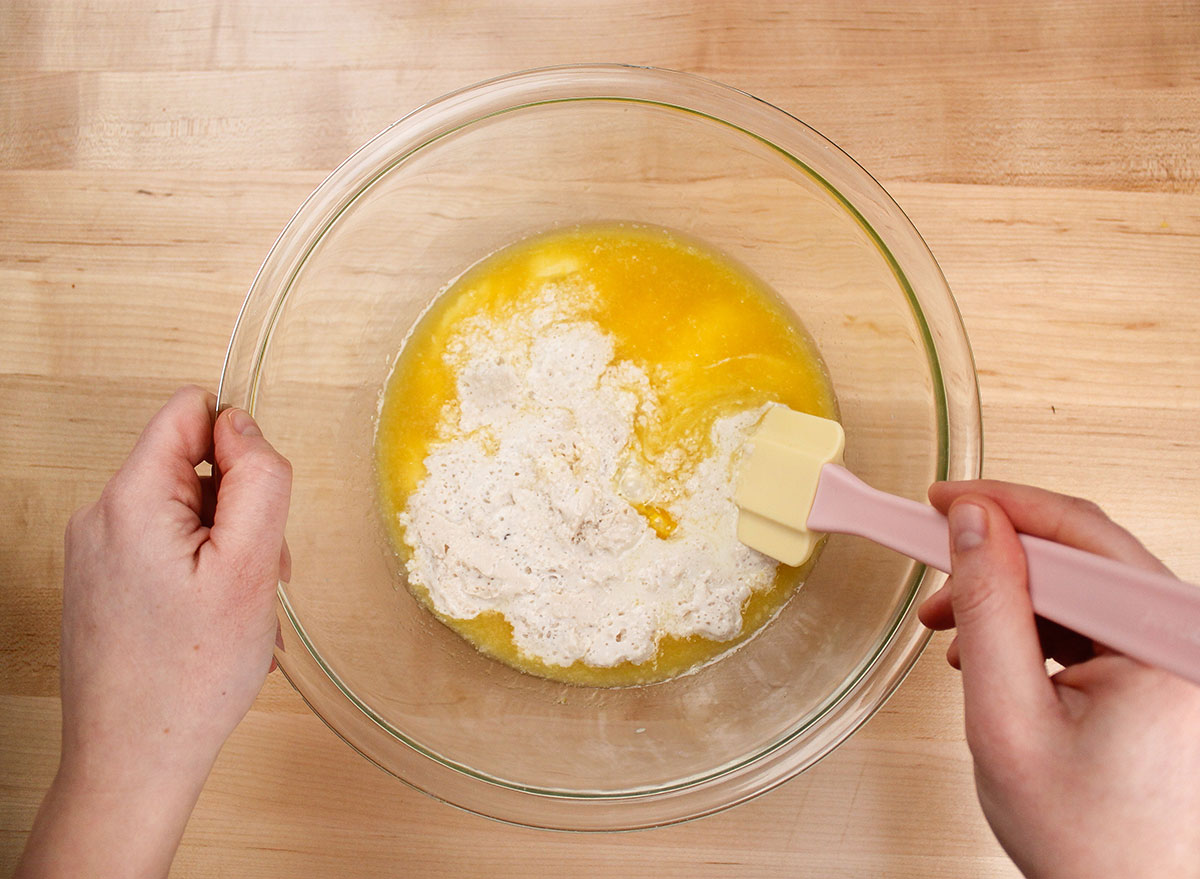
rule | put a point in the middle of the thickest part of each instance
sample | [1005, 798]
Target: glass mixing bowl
[451, 183]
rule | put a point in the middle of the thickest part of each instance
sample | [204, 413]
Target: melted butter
[712, 339]
[658, 518]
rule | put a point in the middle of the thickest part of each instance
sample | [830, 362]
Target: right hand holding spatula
[1093, 771]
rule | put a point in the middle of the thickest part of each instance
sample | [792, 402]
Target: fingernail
[968, 526]
[243, 423]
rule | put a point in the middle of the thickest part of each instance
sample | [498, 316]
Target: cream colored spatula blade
[780, 469]
[792, 489]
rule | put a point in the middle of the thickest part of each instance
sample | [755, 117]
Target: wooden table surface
[1048, 150]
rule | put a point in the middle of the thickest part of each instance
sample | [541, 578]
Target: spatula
[792, 489]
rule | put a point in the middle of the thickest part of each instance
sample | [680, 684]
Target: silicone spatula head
[780, 468]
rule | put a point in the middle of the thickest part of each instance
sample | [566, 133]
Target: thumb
[253, 495]
[1005, 684]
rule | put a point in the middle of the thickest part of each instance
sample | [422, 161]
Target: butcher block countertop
[1047, 150]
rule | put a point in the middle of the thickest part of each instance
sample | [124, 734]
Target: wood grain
[1049, 151]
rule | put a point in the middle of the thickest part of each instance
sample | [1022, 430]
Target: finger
[278, 644]
[936, 611]
[1065, 647]
[252, 500]
[1058, 517]
[1058, 642]
[1004, 678]
[176, 439]
[285, 564]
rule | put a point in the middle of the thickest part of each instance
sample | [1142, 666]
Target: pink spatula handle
[1149, 616]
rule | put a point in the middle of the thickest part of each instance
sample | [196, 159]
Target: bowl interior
[342, 301]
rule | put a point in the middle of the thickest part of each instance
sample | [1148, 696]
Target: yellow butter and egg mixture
[686, 328]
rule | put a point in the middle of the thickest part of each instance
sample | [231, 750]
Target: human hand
[167, 635]
[1090, 772]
